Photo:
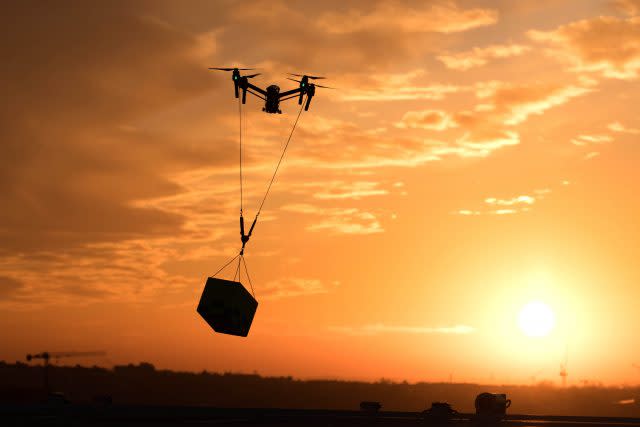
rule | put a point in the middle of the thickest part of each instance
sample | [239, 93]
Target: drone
[272, 95]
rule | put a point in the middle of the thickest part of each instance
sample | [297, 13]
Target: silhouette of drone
[272, 95]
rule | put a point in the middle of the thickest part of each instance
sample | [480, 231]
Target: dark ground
[79, 415]
[142, 395]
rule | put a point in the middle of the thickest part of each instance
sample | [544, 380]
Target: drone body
[272, 95]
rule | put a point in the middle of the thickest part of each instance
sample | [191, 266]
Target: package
[227, 307]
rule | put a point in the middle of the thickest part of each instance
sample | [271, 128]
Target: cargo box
[227, 307]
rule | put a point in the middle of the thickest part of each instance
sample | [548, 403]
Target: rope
[240, 114]
[224, 266]
[241, 259]
[281, 157]
[237, 275]
[248, 277]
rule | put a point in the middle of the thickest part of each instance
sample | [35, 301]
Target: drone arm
[256, 94]
[256, 88]
[288, 97]
[291, 92]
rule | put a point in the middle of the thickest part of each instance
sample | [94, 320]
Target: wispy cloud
[516, 102]
[10, 287]
[390, 92]
[631, 7]
[591, 139]
[381, 328]
[523, 199]
[485, 141]
[506, 206]
[427, 119]
[467, 212]
[619, 127]
[295, 287]
[606, 45]
[339, 220]
[479, 56]
[340, 190]
[441, 17]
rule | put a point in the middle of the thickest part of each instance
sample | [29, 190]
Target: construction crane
[46, 356]
[563, 367]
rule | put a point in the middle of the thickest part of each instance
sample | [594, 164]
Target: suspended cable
[246, 270]
[280, 160]
[237, 274]
[240, 114]
[225, 266]
[245, 237]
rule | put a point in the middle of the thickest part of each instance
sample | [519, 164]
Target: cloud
[433, 92]
[338, 220]
[619, 127]
[443, 17]
[485, 129]
[506, 206]
[591, 155]
[503, 211]
[395, 86]
[516, 102]
[467, 212]
[485, 141]
[380, 328]
[10, 287]
[591, 139]
[123, 271]
[479, 56]
[631, 7]
[294, 287]
[605, 45]
[338, 145]
[96, 175]
[339, 190]
[66, 146]
[358, 36]
[523, 199]
[489, 126]
[427, 119]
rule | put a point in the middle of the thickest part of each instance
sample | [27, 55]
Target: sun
[536, 319]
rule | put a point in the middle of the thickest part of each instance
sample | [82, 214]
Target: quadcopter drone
[272, 95]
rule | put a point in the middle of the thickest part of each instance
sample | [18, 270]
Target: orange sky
[478, 155]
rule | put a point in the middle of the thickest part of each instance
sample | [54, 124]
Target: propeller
[310, 77]
[316, 85]
[250, 76]
[230, 69]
